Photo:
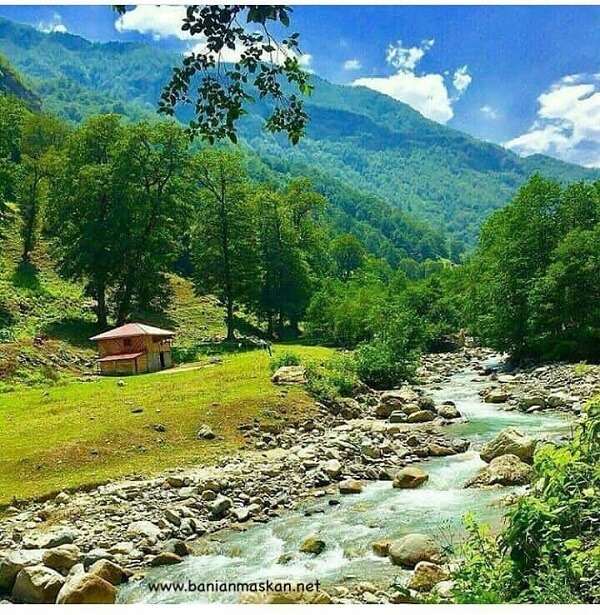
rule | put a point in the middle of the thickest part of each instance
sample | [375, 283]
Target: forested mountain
[11, 84]
[364, 139]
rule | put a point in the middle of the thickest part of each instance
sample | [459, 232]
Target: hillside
[11, 84]
[368, 141]
[46, 322]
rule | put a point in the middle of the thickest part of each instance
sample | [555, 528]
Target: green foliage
[221, 91]
[536, 276]
[332, 379]
[284, 359]
[116, 211]
[549, 551]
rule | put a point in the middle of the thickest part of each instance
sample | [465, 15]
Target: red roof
[134, 329]
[121, 357]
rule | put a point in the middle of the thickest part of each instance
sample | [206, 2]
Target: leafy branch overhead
[219, 91]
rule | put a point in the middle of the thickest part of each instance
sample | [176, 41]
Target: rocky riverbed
[82, 546]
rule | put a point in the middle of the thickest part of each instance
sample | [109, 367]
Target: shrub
[380, 365]
[549, 551]
[284, 359]
[332, 379]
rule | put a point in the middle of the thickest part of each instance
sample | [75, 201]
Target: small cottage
[134, 348]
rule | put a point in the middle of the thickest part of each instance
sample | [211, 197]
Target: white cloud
[353, 64]
[461, 80]
[54, 25]
[489, 112]
[428, 93]
[159, 21]
[567, 125]
[407, 58]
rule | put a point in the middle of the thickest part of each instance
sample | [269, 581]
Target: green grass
[81, 433]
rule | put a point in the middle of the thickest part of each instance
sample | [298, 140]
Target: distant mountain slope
[366, 140]
[11, 84]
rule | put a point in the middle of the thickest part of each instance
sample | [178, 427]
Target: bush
[332, 379]
[284, 359]
[381, 366]
[550, 550]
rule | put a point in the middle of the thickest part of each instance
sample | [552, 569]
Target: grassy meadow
[80, 433]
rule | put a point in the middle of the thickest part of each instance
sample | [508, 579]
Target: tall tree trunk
[280, 324]
[230, 324]
[270, 324]
[124, 307]
[101, 312]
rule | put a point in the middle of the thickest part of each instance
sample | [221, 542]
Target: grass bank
[79, 433]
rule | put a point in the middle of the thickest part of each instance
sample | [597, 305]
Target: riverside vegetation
[106, 220]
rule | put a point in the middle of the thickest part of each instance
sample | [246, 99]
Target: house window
[127, 343]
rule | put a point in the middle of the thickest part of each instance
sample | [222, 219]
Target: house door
[162, 360]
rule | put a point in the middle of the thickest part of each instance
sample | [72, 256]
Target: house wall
[118, 368]
[148, 362]
[121, 346]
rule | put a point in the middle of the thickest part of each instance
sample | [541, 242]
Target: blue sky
[524, 76]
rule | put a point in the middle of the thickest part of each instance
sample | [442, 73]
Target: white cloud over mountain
[428, 93]
[567, 124]
[158, 21]
[54, 25]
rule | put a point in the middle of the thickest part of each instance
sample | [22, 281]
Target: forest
[360, 252]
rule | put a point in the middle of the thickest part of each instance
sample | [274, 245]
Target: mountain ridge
[365, 139]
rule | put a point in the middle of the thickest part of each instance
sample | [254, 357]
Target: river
[270, 551]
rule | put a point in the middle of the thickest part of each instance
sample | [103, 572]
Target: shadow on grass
[26, 275]
[75, 331]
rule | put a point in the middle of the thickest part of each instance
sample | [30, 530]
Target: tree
[534, 287]
[348, 255]
[149, 164]
[83, 209]
[224, 85]
[285, 275]
[224, 241]
[117, 211]
[12, 116]
[42, 136]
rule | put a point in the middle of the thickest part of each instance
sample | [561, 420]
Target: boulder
[61, 558]
[496, 396]
[397, 416]
[109, 571]
[176, 546]
[12, 562]
[48, 540]
[370, 451]
[312, 545]
[381, 547]
[205, 433]
[446, 411]
[403, 396]
[505, 470]
[37, 585]
[166, 559]
[286, 597]
[412, 549]
[241, 514]
[426, 576]
[383, 411]
[410, 477]
[422, 416]
[333, 468]
[557, 399]
[350, 486]
[220, 507]
[143, 528]
[289, 374]
[532, 399]
[411, 408]
[509, 441]
[87, 589]
[437, 450]
[444, 589]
